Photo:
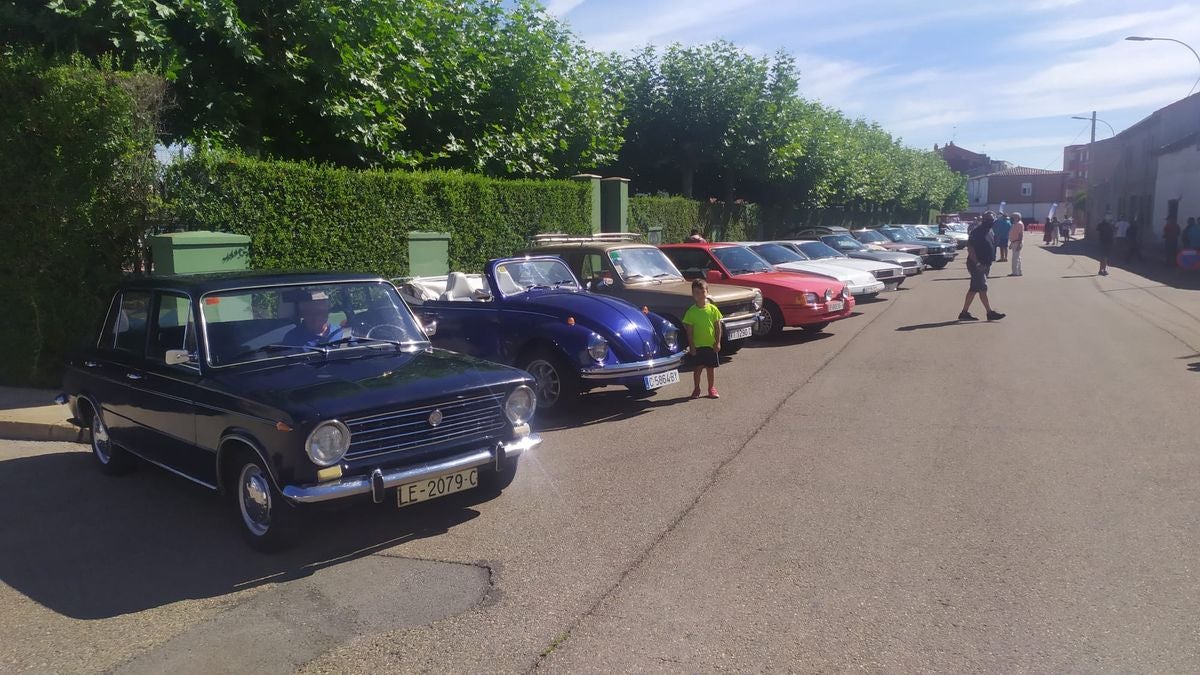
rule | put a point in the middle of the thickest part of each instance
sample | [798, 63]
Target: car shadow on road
[956, 279]
[617, 404]
[791, 337]
[89, 546]
[1079, 276]
[1151, 266]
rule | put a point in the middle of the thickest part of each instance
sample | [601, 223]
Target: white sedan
[784, 259]
[889, 273]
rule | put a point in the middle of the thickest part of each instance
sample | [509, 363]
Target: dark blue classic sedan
[289, 390]
[531, 312]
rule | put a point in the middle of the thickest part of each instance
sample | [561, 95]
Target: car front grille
[736, 308]
[883, 274]
[909, 263]
[462, 419]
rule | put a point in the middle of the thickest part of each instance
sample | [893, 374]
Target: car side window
[692, 262]
[173, 327]
[130, 323]
[592, 265]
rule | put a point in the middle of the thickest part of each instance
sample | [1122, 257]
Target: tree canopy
[498, 88]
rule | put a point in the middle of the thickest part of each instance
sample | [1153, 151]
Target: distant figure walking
[1000, 230]
[1070, 227]
[695, 237]
[1191, 234]
[1133, 242]
[1171, 234]
[1016, 240]
[1052, 231]
[1105, 232]
[981, 251]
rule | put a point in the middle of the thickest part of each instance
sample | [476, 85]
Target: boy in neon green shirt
[703, 323]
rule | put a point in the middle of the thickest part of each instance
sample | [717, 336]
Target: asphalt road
[901, 493]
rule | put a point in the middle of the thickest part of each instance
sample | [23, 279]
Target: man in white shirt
[1016, 240]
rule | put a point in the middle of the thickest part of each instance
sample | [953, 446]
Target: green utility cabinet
[201, 251]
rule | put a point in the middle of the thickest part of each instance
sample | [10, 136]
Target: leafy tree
[480, 85]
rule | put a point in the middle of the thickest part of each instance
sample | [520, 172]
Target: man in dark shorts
[981, 251]
[1106, 232]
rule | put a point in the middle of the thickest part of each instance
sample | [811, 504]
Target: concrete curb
[13, 430]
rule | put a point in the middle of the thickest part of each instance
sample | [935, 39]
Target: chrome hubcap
[254, 497]
[546, 383]
[100, 439]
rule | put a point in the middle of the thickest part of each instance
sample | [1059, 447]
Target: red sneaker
[712, 393]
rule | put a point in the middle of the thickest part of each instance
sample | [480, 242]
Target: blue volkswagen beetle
[532, 312]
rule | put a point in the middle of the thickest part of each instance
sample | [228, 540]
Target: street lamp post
[1087, 171]
[1142, 38]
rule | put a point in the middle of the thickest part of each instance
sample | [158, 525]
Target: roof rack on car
[562, 238]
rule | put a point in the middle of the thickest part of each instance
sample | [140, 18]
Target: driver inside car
[314, 328]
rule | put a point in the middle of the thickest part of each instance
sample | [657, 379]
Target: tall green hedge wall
[304, 216]
[678, 216]
[77, 191]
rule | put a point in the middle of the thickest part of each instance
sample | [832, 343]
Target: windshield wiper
[275, 348]
[635, 275]
[663, 274]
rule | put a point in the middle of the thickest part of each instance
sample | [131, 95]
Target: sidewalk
[32, 415]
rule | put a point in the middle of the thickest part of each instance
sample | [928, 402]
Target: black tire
[865, 296]
[773, 318]
[494, 482]
[731, 348]
[267, 520]
[112, 460]
[938, 265]
[815, 327]
[555, 382]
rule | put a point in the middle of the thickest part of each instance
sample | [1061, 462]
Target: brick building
[1030, 191]
[967, 163]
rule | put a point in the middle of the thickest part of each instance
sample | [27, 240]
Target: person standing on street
[1105, 232]
[1016, 240]
[1191, 234]
[1000, 231]
[1171, 240]
[1052, 230]
[695, 237]
[703, 324]
[1133, 243]
[981, 251]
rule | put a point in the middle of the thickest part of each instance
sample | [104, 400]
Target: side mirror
[715, 275]
[178, 357]
[430, 326]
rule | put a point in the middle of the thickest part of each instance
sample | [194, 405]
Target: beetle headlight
[328, 443]
[597, 347]
[671, 338]
[757, 299]
[520, 405]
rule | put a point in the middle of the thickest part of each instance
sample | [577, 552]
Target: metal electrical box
[201, 251]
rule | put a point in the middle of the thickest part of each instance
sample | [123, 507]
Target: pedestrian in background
[1171, 240]
[1016, 240]
[1052, 230]
[1133, 243]
[1191, 234]
[703, 323]
[1000, 230]
[1105, 232]
[981, 251]
[695, 237]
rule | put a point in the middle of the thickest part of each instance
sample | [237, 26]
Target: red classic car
[810, 301]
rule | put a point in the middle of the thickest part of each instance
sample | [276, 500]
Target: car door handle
[91, 364]
[133, 376]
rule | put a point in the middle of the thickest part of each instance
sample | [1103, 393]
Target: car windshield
[925, 231]
[817, 250]
[273, 322]
[843, 242]
[957, 227]
[777, 254]
[895, 235]
[520, 276]
[635, 264]
[740, 260]
[913, 231]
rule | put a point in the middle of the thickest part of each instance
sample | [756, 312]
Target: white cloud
[676, 18]
[562, 7]
[1084, 28]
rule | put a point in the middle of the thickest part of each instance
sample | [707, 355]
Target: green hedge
[305, 216]
[678, 216]
[77, 191]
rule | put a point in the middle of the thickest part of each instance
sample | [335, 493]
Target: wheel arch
[232, 443]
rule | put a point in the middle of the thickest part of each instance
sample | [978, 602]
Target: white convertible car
[862, 284]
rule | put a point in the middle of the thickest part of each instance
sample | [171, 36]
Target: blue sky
[1001, 77]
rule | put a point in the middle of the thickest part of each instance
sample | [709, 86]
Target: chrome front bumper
[867, 289]
[379, 480]
[740, 322]
[622, 370]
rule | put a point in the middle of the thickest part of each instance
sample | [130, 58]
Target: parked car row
[286, 391]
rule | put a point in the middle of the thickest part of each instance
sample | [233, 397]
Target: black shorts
[978, 277]
[706, 357]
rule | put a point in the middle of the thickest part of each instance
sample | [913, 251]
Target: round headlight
[597, 347]
[520, 405]
[671, 338]
[328, 443]
[757, 299]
